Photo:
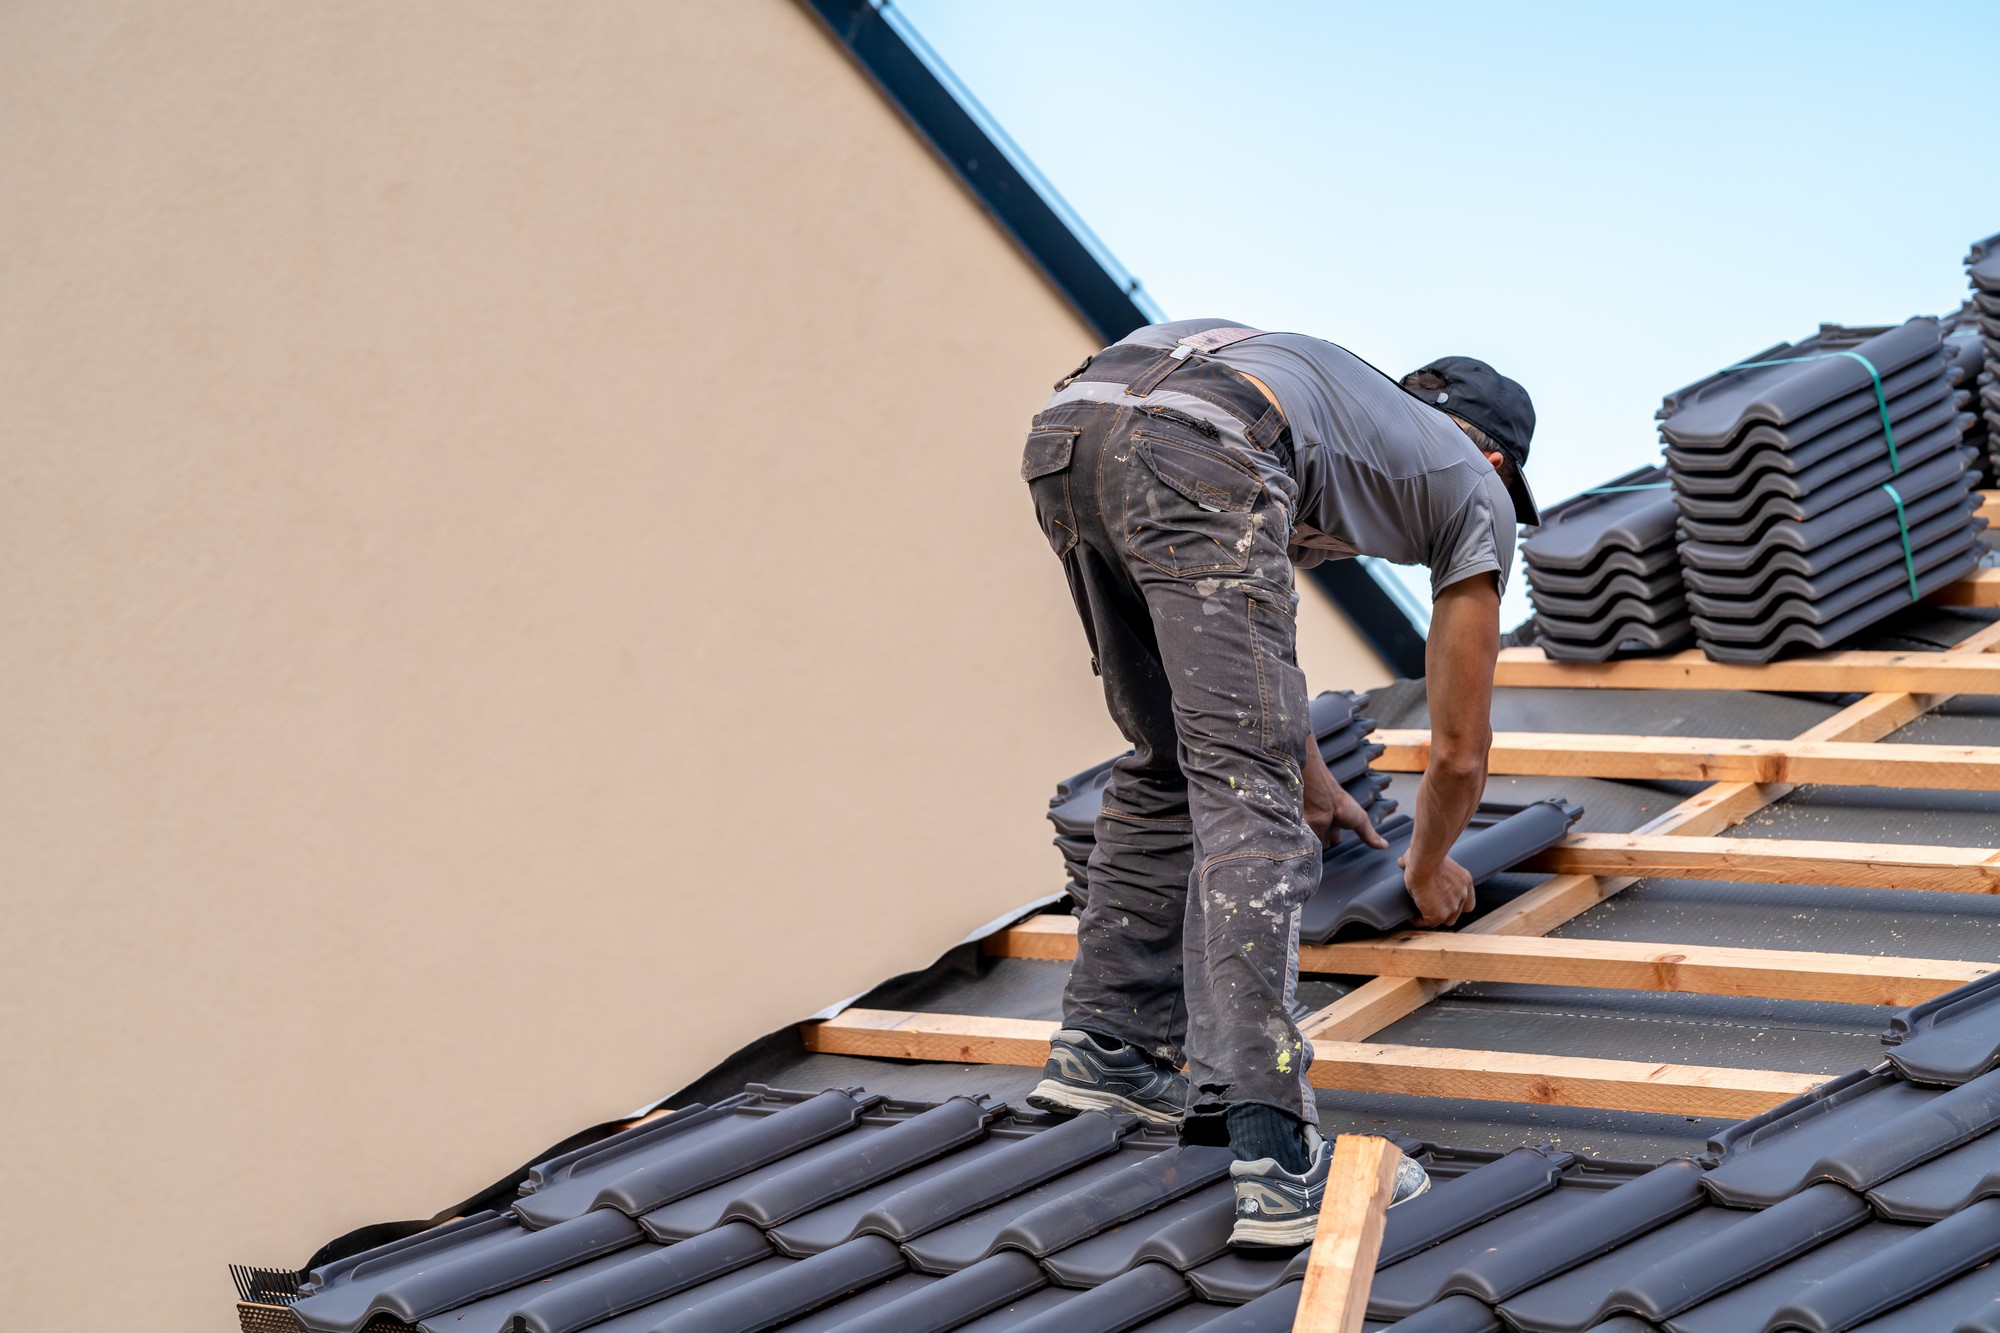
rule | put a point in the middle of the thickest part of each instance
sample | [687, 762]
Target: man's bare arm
[1458, 665]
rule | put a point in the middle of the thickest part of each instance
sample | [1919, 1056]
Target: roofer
[1179, 474]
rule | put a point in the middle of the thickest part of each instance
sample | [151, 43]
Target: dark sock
[1257, 1130]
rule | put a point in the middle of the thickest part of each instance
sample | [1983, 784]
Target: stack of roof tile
[1338, 725]
[1361, 887]
[1870, 1204]
[1797, 474]
[1965, 360]
[1604, 575]
[1981, 328]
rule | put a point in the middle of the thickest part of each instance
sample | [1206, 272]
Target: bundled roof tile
[1978, 326]
[1603, 574]
[1821, 486]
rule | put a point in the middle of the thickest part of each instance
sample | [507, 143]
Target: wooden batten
[1716, 759]
[1823, 673]
[1979, 588]
[1604, 964]
[1422, 1071]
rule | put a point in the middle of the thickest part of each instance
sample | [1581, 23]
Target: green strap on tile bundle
[1888, 435]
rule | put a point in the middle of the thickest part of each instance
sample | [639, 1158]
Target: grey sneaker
[1083, 1075]
[1276, 1209]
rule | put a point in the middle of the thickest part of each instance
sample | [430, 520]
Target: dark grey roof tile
[530, 1256]
[1603, 1221]
[1948, 502]
[963, 1242]
[564, 1186]
[863, 1303]
[1896, 1274]
[1752, 1305]
[794, 1290]
[1826, 484]
[1909, 391]
[1363, 886]
[1829, 594]
[1943, 1185]
[1743, 546]
[1717, 1249]
[948, 1302]
[1272, 1312]
[495, 1313]
[1967, 1304]
[1833, 597]
[1579, 1298]
[1182, 1233]
[753, 1143]
[1637, 564]
[1240, 1275]
[339, 1296]
[1123, 1302]
[705, 1208]
[1578, 534]
[646, 1317]
[1866, 1133]
[827, 1226]
[1710, 412]
[977, 1184]
[1401, 1289]
[1597, 600]
[1795, 633]
[856, 1166]
[1152, 1181]
[641, 1277]
[1951, 1039]
[1019, 1311]
[1453, 1314]
[1458, 1204]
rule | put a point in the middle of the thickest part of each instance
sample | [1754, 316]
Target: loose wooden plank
[1979, 588]
[1340, 1268]
[1829, 673]
[1714, 758]
[1777, 861]
[1375, 1005]
[1420, 1071]
[1605, 964]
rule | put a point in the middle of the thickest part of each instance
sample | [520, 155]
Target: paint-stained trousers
[1175, 552]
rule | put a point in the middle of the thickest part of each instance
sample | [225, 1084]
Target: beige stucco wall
[512, 583]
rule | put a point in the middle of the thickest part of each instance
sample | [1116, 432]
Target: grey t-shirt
[1378, 472]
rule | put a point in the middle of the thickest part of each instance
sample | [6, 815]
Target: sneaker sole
[1050, 1095]
[1251, 1233]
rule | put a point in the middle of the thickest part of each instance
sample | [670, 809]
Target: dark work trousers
[1174, 536]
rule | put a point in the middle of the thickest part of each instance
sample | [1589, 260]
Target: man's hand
[1443, 895]
[1329, 809]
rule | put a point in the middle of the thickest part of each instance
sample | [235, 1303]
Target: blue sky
[1605, 201]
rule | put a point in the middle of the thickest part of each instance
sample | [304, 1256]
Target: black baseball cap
[1476, 393]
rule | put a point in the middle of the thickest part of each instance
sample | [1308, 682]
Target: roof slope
[933, 1200]
[1878, 1194]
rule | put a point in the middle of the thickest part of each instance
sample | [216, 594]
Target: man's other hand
[1443, 895]
[1329, 809]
